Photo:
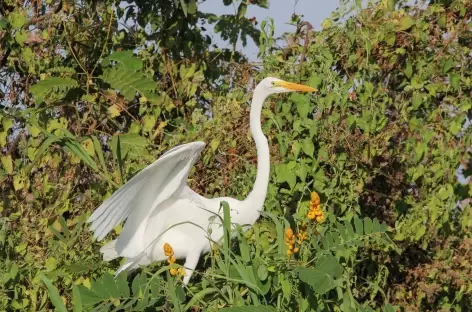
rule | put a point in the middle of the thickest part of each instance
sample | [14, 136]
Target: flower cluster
[315, 212]
[169, 252]
[290, 239]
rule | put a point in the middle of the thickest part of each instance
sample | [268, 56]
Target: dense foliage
[93, 91]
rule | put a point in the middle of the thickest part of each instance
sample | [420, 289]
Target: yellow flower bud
[171, 260]
[295, 250]
[289, 233]
[315, 198]
[320, 218]
[173, 272]
[181, 271]
[168, 251]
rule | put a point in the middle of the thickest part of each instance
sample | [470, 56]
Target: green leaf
[406, 22]
[131, 142]
[98, 149]
[76, 299]
[109, 283]
[214, 144]
[52, 88]
[3, 23]
[7, 163]
[149, 121]
[420, 231]
[183, 4]
[454, 79]
[53, 293]
[367, 225]
[122, 284]
[321, 278]
[408, 70]
[359, 226]
[76, 149]
[242, 9]
[130, 83]
[320, 282]
[302, 103]
[262, 272]
[125, 58]
[308, 147]
[285, 173]
[17, 19]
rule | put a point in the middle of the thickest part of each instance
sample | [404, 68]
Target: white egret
[158, 198]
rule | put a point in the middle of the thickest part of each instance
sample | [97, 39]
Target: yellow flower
[295, 250]
[181, 271]
[289, 233]
[312, 214]
[289, 252]
[320, 218]
[315, 198]
[168, 251]
[171, 260]
[173, 272]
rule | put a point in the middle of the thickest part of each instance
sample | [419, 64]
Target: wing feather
[136, 199]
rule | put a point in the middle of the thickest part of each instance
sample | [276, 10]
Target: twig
[308, 28]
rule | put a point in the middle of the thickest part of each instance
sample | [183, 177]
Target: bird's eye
[272, 83]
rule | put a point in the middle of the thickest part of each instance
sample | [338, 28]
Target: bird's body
[160, 208]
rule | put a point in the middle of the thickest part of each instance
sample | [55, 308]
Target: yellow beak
[295, 86]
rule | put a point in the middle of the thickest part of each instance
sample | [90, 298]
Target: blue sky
[314, 11]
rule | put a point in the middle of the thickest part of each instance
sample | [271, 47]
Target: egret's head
[273, 85]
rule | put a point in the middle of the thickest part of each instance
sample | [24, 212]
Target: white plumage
[160, 208]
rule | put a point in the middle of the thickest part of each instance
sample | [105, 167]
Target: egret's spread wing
[136, 199]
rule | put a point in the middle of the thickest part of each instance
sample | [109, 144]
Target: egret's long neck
[257, 196]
